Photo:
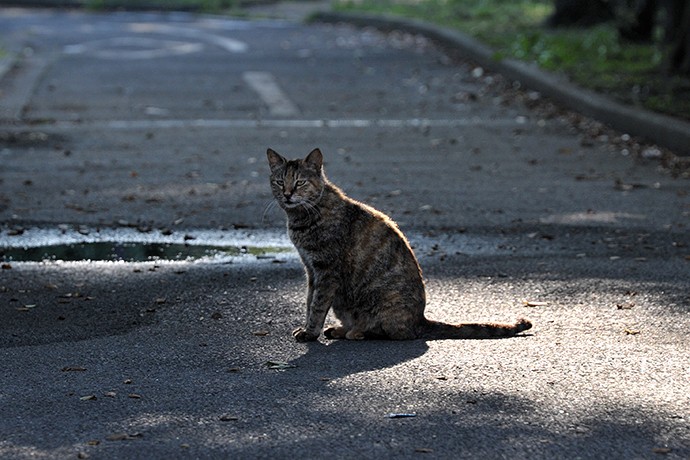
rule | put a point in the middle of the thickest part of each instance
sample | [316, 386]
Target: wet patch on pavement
[132, 245]
[81, 243]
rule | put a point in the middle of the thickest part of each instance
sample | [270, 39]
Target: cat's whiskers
[267, 208]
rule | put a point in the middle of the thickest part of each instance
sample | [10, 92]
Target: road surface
[156, 125]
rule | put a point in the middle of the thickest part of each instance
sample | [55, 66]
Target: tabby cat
[358, 263]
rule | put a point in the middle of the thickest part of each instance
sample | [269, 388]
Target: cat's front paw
[301, 335]
[334, 332]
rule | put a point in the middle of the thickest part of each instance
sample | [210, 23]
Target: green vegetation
[594, 58]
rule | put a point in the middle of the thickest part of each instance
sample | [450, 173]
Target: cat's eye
[278, 182]
[300, 183]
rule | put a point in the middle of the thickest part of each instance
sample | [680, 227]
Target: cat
[358, 263]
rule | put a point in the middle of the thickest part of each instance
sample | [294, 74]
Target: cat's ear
[274, 159]
[315, 159]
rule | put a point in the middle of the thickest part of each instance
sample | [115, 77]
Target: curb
[662, 130]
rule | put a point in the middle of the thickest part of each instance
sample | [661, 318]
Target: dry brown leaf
[534, 303]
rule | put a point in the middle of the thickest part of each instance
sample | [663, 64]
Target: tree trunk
[581, 13]
[679, 61]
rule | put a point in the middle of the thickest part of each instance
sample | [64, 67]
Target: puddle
[134, 252]
[129, 245]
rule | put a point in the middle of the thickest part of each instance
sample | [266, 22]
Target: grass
[594, 58]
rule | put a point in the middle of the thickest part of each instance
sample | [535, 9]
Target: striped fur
[358, 263]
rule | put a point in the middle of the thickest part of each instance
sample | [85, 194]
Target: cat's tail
[435, 330]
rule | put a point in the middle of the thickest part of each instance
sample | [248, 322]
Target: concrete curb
[662, 130]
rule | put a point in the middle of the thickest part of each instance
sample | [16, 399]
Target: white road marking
[228, 44]
[282, 123]
[279, 105]
[17, 98]
[133, 48]
[138, 47]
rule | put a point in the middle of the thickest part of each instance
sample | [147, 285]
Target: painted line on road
[292, 123]
[133, 48]
[228, 44]
[15, 100]
[266, 86]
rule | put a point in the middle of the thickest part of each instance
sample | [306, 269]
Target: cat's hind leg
[399, 328]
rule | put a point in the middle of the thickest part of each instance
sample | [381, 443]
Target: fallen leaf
[423, 450]
[160, 300]
[279, 365]
[123, 436]
[662, 450]
[73, 369]
[93, 442]
[629, 331]
[110, 394]
[228, 418]
[6, 266]
[534, 303]
[88, 398]
[260, 333]
[400, 415]
[134, 396]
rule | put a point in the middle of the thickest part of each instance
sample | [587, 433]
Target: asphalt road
[157, 124]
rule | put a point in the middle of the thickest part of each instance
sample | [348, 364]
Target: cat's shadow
[340, 358]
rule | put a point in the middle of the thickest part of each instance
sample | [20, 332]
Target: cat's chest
[317, 242]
